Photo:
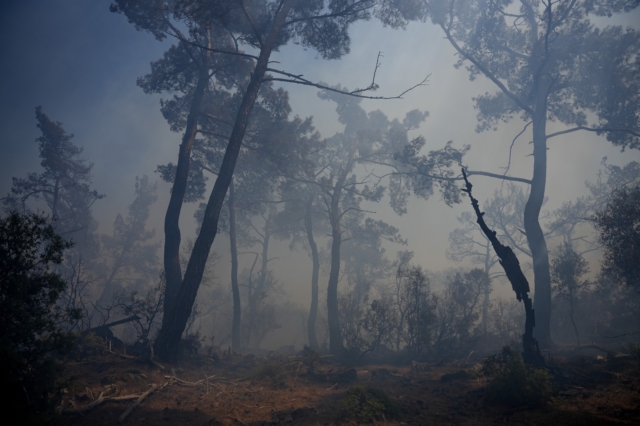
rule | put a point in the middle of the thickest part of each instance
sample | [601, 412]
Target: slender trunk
[535, 236]
[176, 318]
[256, 296]
[172, 269]
[236, 339]
[335, 335]
[315, 258]
[487, 289]
[573, 321]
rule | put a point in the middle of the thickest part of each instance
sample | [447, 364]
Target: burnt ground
[283, 390]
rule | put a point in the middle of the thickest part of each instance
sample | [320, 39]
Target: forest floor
[245, 390]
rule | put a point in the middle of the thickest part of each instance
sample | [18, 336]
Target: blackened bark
[315, 258]
[176, 318]
[236, 337]
[172, 269]
[519, 283]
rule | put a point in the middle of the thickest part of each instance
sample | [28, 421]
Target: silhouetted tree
[619, 228]
[550, 62]
[64, 186]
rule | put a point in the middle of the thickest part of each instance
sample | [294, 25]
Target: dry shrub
[365, 404]
[515, 384]
[272, 372]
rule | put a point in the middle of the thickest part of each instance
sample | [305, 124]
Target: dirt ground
[245, 390]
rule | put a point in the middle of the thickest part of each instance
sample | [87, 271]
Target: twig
[333, 387]
[184, 382]
[138, 401]
[97, 402]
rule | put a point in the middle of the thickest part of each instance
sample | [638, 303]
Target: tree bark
[535, 235]
[315, 258]
[172, 269]
[176, 318]
[236, 330]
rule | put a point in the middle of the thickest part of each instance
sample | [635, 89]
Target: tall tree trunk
[535, 236]
[236, 330]
[573, 321]
[315, 258]
[172, 269]
[336, 346]
[487, 289]
[255, 296]
[335, 336]
[176, 318]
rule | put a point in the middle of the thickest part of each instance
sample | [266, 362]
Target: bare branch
[297, 79]
[595, 129]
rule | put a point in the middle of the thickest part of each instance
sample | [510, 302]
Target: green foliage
[365, 404]
[29, 320]
[619, 227]
[515, 384]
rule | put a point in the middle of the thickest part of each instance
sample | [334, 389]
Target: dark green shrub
[365, 404]
[29, 320]
[515, 384]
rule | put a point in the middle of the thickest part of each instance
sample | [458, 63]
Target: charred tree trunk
[176, 317]
[519, 283]
[172, 269]
[315, 258]
[236, 337]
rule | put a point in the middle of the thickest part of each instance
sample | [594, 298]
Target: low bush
[365, 404]
[273, 373]
[515, 384]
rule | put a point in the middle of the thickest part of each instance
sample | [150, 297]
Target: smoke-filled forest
[264, 212]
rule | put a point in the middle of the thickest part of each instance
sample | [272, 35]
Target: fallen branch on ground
[138, 401]
[98, 401]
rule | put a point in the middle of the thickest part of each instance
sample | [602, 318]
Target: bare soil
[248, 391]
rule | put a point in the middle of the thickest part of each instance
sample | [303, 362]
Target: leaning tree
[262, 26]
[551, 62]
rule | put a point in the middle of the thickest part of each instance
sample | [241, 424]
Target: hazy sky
[80, 62]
